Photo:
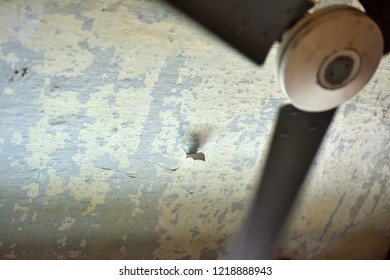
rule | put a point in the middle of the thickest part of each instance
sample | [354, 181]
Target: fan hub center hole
[339, 69]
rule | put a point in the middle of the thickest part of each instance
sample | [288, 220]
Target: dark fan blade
[251, 26]
[379, 11]
[295, 142]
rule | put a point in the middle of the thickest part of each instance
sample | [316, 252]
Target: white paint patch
[8, 91]
[136, 201]
[23, 217]
[32, 190]
[83, 243]
[17, 207]
[11, 58]
[136, 212]
[13, 162]
[74, 254]
[96, 226]
[41, 143]
[55, 184]
[17, 138]
[66, 224]
[34, 217]
[61, 242]
[95, 191]
[70, 61]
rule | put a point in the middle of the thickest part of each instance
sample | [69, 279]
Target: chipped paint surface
[98, 99]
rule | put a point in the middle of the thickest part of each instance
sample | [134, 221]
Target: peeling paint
[98, 101]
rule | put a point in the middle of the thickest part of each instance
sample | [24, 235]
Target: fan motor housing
[328, 57]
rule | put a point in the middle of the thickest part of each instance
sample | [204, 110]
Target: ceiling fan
[325, 58]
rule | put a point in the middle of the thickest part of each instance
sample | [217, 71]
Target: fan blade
[295, 142]
[379, 10]
[251, 26]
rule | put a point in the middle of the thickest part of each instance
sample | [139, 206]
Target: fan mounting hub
[328, 57]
